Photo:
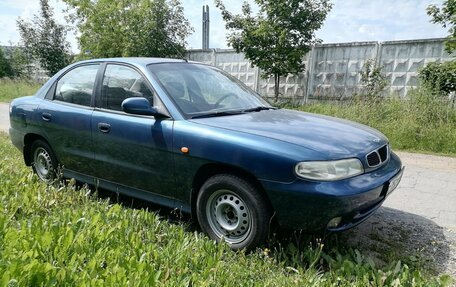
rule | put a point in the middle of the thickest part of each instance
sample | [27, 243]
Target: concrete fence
[333, 70]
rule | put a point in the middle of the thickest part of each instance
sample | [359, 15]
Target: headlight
[329, 170]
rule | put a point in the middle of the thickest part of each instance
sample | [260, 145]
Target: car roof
[141, 61]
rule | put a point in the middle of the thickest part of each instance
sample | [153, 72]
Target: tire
[230, 208]
[44, 162]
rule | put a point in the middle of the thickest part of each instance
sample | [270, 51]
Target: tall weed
[12, 88]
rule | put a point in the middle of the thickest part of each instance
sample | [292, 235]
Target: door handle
[46, 117]
[104, 128]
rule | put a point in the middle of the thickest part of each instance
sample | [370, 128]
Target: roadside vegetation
[421, 123]
[14, 88]
[60, 236]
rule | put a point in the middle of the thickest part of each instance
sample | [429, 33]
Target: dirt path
[392, 233]
[418, 220]
[428, 188]
[4, 117]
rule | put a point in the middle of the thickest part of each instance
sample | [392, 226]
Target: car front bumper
[311, 205]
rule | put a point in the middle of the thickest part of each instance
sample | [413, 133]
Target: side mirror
[139, 106]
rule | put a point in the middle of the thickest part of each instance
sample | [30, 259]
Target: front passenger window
[120, 83]
[76, 86]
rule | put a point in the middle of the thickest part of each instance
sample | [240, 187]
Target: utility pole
[205, 27]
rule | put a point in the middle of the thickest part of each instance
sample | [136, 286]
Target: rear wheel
[44, 162]
[232, 209]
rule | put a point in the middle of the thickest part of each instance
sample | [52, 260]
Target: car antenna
[175, 47]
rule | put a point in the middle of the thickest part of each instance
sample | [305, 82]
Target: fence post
[214, 57]
[309, 80]
[378, 56]
[257, 79]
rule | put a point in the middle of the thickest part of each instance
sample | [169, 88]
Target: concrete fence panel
[333, 70]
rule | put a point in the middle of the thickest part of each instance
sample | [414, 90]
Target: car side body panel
[224, 148]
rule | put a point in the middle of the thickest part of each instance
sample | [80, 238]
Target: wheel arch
[28, 141]
[207, 171]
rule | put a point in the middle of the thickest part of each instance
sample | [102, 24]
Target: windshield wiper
[217, 114]
[230, 113]
[259, 108]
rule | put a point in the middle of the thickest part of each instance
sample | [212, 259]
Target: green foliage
[372, 78]
[439, 78]
[44, 40]
[146, 28]
[14, 88]
[21, 64]
[62, 236]
[5, 66]
[446, 16]
[420, 123]
[278, 38]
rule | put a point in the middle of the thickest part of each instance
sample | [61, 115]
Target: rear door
[131, 150]
[66, 117]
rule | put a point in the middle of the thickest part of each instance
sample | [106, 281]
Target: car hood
[333, 137]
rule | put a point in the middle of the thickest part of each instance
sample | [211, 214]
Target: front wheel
[44, 162]
[232, 209]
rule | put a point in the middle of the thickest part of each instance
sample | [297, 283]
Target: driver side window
[119, 83]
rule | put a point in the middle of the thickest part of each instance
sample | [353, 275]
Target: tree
[446, 16]
[130, 28]
[5, 67]
[45, 40]
[277, 39]
[373, 80]
[21, 64]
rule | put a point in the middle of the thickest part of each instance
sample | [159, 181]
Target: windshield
[200, 90]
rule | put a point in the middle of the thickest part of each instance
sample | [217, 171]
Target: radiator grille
[378, 156]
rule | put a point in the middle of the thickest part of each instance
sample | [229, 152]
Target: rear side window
[76, 86]
[119, 83]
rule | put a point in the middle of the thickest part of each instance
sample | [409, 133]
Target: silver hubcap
[43, 164]
[228, 216]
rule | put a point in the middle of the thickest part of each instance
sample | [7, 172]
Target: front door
[131, 150]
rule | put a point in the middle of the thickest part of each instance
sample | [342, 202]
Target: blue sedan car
[186, 135]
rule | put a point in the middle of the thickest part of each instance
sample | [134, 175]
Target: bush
[373, 80]
[439, 78]
[5, 66]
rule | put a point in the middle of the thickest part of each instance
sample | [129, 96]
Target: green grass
[62, 236]
[11, 89]
[420, 124]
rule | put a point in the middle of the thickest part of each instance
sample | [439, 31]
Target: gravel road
[418, 219]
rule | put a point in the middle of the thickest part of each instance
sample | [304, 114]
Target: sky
[348, 21]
